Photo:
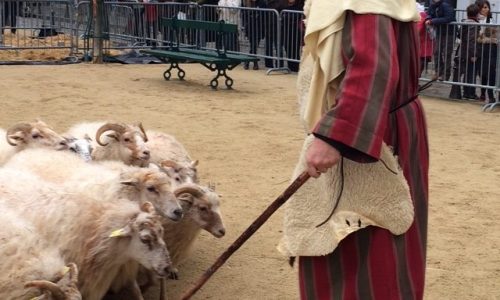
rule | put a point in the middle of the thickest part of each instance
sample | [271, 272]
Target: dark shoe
[471, 97]
[255, 66]
[246, 65]
[268, 63]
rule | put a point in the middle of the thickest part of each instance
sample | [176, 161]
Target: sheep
[99, 236]
[179, 174]
[81, 146]
[126, 143]
[63, 289]
[30, 266]
[201, 211]
[105, 180]
[201, 207]
[172, 156]
[29, 135]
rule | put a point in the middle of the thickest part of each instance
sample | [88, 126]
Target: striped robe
[381, 56]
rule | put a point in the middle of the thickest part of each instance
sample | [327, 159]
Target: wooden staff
[291, 189]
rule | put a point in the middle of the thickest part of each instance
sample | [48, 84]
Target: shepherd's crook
[291, 189]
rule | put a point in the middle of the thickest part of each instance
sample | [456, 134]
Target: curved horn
[194, 190]
[143, 132]
[73, 273]
[194, 163]
[56, 291]
[26, 127]
[106, 127]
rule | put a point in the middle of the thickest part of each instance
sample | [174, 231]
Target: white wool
[26, 256]
[372, 196]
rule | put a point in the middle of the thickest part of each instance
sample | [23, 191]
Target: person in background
[469, 54]
[440, 15]
[9, 15]
[426, 39]
[229, 13]
[209, 13]
[488, 44]
[291, 33]
[272, 44]
[362, 93]
[151, 22]
[254, 27]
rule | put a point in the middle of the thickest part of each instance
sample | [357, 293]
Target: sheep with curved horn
[29, 135]
[116, 141]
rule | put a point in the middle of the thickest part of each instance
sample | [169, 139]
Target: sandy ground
[247, 141]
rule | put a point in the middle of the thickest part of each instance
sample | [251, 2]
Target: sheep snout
[221, 232]
[146, 154]
[176, 214]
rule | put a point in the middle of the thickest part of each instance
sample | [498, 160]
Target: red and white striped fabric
[381, 56]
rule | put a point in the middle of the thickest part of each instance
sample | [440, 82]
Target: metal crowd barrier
[454, 47]
[36, 30]
[275, 37]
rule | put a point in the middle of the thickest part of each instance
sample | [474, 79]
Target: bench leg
[221, 72]
[180, 73]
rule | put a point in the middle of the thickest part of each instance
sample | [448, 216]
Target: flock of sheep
[81, 218]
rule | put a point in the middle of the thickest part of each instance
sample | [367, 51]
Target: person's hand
[320, 157]
[428, 22]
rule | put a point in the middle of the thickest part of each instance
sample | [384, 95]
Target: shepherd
[359, 229]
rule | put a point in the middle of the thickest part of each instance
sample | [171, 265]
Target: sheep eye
[203, 208]
[73, 149]
[126, 140]
[152, 189]
[36, 136]
[146, 241]
[178, 179]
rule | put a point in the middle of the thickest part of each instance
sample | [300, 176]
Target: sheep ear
[186, 198]
[73, 273]
[148, 207]
[113, 136]
[18, 136]
[122, 232]
[194, 163]
[170, 172]
[87, 137]
[169, 164]
[130, 182]
[69, 139]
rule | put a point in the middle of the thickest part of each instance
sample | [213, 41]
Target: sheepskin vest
[373, 194]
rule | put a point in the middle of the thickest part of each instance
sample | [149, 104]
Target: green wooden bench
[218, 60]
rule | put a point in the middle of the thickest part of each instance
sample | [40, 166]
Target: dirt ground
[247, 141]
